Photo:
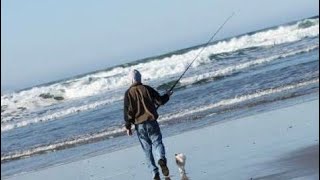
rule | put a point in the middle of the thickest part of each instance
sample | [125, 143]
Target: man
[140, 109]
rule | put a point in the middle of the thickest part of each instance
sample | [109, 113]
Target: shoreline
[274, 144]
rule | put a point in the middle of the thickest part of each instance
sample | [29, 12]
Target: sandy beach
[280, 144]
[235, 85]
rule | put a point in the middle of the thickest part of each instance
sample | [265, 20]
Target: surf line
[195, 58]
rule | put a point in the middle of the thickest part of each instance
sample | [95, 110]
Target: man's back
[139, 104]
[142, 101]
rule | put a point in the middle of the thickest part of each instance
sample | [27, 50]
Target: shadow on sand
[300, 163]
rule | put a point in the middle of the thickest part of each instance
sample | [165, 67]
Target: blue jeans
[150, 138]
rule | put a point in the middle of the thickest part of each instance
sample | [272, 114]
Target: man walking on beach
[140, 109]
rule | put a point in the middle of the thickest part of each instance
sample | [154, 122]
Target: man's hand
[169, 93]
[129, 132]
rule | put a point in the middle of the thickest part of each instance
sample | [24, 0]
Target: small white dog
[181, 161]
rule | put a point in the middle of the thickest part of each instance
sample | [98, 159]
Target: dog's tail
[182, 170]
[183, 174]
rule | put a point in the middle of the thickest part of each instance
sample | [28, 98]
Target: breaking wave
[5, 126]
[229, 70]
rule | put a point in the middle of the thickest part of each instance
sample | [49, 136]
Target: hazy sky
[46, 40]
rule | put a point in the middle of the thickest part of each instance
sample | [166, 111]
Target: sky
[48, 40]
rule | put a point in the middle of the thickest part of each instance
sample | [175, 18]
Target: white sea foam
[234, 68]
[156, 69]
[5, 126]
[60, 145]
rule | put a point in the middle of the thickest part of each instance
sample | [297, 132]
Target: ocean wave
[6, 125]
[230, 70]
[83, 139]
[152, 69]
[119, 131]
[235, 68]
[236, 100]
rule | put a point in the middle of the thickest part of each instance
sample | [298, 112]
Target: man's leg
[146, 145]
[158, 147]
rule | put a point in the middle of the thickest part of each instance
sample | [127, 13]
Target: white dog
[181, 161]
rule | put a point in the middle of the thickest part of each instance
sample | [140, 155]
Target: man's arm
[127, 117]
[160, 100]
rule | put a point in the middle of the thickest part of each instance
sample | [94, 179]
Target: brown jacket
[140, 104]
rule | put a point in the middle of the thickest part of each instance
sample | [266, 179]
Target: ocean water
[82, 116]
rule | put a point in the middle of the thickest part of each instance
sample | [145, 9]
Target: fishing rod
[174, 85]
[203, 47]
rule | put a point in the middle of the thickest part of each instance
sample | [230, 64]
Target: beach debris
[22, 108]
[51, 96]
